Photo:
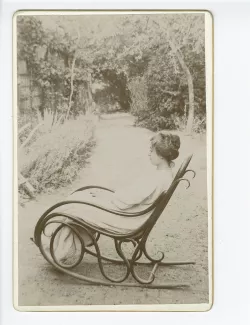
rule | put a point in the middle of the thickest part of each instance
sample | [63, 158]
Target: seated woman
[137, 197]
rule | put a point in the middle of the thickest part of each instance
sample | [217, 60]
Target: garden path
[119, 156]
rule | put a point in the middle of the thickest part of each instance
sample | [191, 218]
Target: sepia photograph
[113, 124]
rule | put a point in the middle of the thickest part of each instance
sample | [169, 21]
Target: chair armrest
[93, 186]
[116, 212]
[46, 214]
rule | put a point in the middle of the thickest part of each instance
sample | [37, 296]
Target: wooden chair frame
[137, 237]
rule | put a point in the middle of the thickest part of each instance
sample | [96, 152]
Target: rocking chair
[138, 237]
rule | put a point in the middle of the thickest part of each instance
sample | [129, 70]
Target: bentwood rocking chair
[138, 237]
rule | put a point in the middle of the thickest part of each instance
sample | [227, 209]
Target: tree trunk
[72, 76]
[90, 87]
[190, 120]
[71, 86]
[189, 77]
[89, 92]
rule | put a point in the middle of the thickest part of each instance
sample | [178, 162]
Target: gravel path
[181, 232]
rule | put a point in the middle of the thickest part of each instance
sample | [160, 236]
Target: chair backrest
[183, 168]
[166, 196]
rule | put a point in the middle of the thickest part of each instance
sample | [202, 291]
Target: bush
[155, 108]
[199, 125]
[156, 123]
[55, 158]
[160, 97]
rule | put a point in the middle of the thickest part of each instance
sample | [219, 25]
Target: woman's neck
[164, 165]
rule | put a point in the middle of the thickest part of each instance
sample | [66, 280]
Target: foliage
[50, 120]
[164, 78]
[30, 36]
[136, 58]
[116, 89]
[55, 158]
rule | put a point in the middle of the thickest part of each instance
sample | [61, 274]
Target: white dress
[137, 197]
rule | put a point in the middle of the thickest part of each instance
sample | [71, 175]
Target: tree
[185, 34]
[162, 53]
[189, 82]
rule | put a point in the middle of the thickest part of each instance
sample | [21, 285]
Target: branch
[71, 85]
[30, 136]
[24, 128]
[178, 54]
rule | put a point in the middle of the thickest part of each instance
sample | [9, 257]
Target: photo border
[209, 59]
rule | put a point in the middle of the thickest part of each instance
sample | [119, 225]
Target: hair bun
[172, 154]
[168, 145]
[176, 143]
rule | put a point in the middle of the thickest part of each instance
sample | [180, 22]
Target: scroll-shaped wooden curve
[138, 237]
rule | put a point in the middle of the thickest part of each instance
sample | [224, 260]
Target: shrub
[25, 124]
[199, 125]
[56, 157]
[156, 123]
[160, 97]
[155, 108]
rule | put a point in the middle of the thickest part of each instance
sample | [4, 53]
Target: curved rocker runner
[138, 237]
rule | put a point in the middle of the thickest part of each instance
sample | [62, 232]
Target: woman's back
[144, 191]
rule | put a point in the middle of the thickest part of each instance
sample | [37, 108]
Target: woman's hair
[166, 145]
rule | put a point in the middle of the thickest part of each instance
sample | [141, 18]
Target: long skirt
[68, 245]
